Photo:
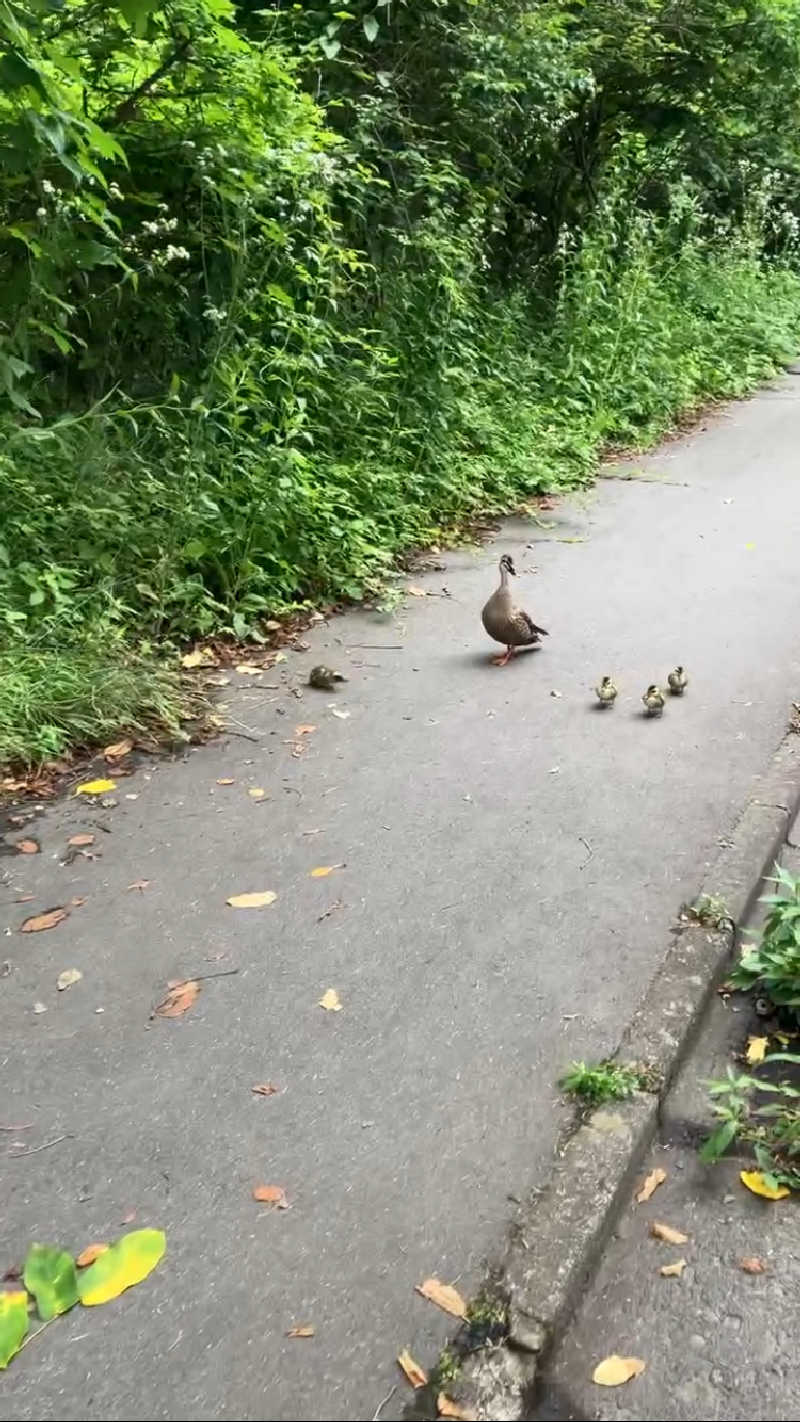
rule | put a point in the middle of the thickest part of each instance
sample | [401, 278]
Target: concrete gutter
[558, 1235]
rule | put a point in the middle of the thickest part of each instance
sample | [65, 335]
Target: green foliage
[51, 1277]
[13, 1324]
[604, 1081]
[762, 1112]
[285, 290]
[773, 965]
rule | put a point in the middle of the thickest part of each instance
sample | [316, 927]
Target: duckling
[324, 678]
[677, 681]
[506, 622]
[653, 701]
[606, 692]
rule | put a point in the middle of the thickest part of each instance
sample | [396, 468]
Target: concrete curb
[558, 1236]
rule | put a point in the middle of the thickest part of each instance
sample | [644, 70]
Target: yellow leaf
[306, 1330]
[88, 1255]
[614, 1370]
[330, 1001]
[95, 787]
[226, 780]
[68, 978]
[250, 901]
[324, 870]
[667, 1233]
[256, 793]
[125, 1263]
[651, 1184]
[754, 1180]
[200, 657]
[446, 1407]
[13, 1324]
[756, 1049]
[673, 1271]
[415, 1374]
[444, 1296]
[246, 670]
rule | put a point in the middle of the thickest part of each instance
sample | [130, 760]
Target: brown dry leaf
[304, 730]
[77, 902]
[265, 1089]
[129, 1217]
[140, 884]
[179, 999]
[80, 841]
[89, 1254]
[27, 846]
[416, 1375]
[752, 1264]
[226, 780]
[446, 1407]
[306, 1330]
[256, 793]
[650, 1184]
[324, 870]
[118, 750]
[415, 591]
[330, 1001]
[444, 1296]
[247, 670]
[673, 1271]
[41, 921]
[756, 1050]
[68, 978]
[667, 1233]
[614, 1370]
[271, 1195]
[252, 901]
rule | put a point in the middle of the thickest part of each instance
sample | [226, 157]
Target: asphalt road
[510, 860]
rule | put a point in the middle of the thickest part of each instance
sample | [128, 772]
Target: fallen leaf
[77, 902]
[125, 1263]
[444, 1296]
[49, 1275]
[415, 1374]
[256, 793]
[200, 657]
[179, 999]
[271, 1195]
[756, 1049]
[446, 1407]
[252, 901]
[673, 1271]
[129, 1217]
[265, 1089]
[557, 694]
[118, 750]
[41, 921]
[25, 899]
[341, 715]
[13, 1324]
[324, 870]
[218, 681]
[226, 780]
[138, 884]
[754, 1181]
[415, 591]
[304, 730]
[88, 1255]
[330, 1001]
[246, 670]
[80, 841]
[752, 1264]
[667, 1233]
[68, 978]
[651, 1184]
[306, 1330]
[27, 846]
[615, 1370]
[39, 1007]
[278, 657]
[95, 787]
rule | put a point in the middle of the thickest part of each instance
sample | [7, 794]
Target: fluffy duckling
[324, 678]
[606, 692]
[677, 681]
[653, 701]
[506, 622]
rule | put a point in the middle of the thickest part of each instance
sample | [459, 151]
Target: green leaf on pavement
[13, 1324]
[51, 1277]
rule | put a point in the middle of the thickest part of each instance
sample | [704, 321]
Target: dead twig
[587, 845]
[203, 977]
[16, 1155]
[390, 1394]
[378, 646]
[27, 1127]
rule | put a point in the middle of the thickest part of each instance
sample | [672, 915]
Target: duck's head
[507, 565]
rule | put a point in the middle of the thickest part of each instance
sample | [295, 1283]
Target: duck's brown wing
[525, 629]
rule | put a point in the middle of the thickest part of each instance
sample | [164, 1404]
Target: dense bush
[283, 290]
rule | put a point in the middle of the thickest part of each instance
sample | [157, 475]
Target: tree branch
[127, 108]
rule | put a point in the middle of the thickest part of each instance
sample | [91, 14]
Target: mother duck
[506, 622]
